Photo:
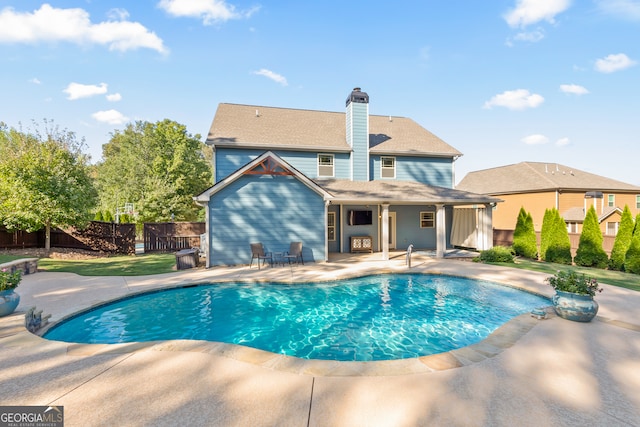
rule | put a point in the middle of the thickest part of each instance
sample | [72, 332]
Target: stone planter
[9, 300]
[576, 307]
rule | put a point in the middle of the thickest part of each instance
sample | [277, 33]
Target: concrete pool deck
[550, 372]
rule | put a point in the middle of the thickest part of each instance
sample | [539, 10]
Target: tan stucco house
[540, 186]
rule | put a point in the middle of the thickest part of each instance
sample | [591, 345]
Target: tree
[524, 236]
[590, 252]
[622, 241]
[157, 166]
[632, 258]
[558, 248]
[44, 180]
[546, 232]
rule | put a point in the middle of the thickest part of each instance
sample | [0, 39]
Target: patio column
[385, 231]
[487, 226]
[441, 233]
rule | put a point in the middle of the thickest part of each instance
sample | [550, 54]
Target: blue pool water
[380, 317]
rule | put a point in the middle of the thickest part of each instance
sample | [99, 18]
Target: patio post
[441, 237]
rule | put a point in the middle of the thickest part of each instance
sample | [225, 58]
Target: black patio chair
[257, 252]
[294, 254]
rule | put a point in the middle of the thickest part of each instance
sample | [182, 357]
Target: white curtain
[464, 228]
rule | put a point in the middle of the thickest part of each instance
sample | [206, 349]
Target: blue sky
[503, 81]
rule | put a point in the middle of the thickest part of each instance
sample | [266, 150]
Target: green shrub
[98, 216]
[559, 246]
[107, 216]
[524, 236]
[590, 252]
[622, 241]
[497, 254]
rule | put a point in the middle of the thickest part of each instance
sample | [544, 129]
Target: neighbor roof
[527, 177]
[344, 191]
[251, 126]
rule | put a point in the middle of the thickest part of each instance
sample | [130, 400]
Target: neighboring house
[541, 186]
[337, 182]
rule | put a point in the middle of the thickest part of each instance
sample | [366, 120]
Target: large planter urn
[576, 307]
[9, 300]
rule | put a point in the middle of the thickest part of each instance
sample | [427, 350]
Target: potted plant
[9, 299]
[574, 295]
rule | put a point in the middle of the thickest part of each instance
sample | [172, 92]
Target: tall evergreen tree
[590, 252]
[559, 246]
[524, 236]
[622, 241]
[632, 258]
[545, 232]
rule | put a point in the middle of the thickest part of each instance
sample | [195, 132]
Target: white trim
[382, 168]
[333, 165]
[433, 215]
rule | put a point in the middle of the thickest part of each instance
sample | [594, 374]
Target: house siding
[505, 215]
[358, 139]
[426, 170]
[228, 160]
[275, 210]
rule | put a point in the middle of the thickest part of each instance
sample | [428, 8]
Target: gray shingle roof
[533, 176]
[248, 126]
[344, 190]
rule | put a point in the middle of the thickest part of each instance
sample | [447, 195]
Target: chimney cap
[358, 96]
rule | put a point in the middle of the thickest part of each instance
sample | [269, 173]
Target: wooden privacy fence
[172, 236]
[97, 236]
[505, 238]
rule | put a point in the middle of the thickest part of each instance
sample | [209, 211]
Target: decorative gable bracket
[268, 166]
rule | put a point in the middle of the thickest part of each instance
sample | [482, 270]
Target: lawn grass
[128, 265]
[610, 277]
[6, 258]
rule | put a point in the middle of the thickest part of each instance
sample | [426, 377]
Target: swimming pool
[379, 317]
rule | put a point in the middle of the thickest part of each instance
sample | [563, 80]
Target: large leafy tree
[590, 252]
[158, 167]
[44, 180]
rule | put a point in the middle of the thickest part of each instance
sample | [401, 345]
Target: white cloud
[112, 117]
[624, 9]
[209, 11]
[574, 89]
[35, 81]
[518, 99]
[614, 62]
[49, 24]
[273, 76]
[531, 36]
[529, 12]
[78, 90]
[563, 141]
[114, 97]
[535, 139]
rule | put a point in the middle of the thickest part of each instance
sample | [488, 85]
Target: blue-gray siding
[427, 170]
[275, 210]
[358, 138]
[229, 160]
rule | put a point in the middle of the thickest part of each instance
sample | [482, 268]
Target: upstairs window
[638, 202]
[612, 200]
[427, 219]
[612, 228]
[325, 165]
[387, 167]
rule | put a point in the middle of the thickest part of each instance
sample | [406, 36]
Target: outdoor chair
[257, 252]
[295, 253]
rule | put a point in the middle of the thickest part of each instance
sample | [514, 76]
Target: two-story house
[338, 182]
[538, 186]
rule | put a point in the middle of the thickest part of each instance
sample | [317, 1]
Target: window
[427, 219]
[612, 228]
[387, 167]
[572, 227]
[325, 165]
[331, 226]
[612, 200]
[638, 202]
